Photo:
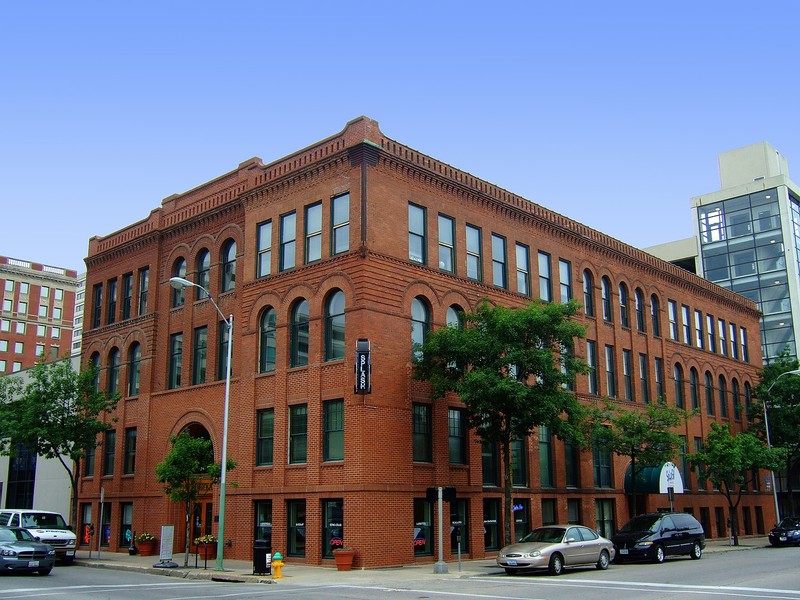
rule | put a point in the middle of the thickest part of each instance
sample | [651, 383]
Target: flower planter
[343, 559]
[207, 551]
[147, 548]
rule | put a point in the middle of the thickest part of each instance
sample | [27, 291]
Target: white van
[47, 527]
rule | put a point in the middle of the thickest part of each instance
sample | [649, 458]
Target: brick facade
[377, 481]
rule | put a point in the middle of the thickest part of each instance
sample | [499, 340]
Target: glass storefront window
[296, 511]
[333, 526]
[423, 527]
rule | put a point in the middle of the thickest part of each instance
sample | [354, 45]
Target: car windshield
[13, 535]
[549, 535]
[640, 523]
[37, 519]
[790, 523]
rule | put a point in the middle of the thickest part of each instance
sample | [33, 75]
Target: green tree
[645, 435]
[732, 462]
[187, 472]
[506, 366]
[779, 390]
[57, 413]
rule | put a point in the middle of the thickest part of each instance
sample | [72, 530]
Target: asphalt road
[761, 573]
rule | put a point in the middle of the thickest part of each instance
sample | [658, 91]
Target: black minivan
[655, 536]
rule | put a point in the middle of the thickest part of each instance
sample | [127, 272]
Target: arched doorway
[203, 509]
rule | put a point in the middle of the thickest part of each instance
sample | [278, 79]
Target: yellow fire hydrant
[277, 565]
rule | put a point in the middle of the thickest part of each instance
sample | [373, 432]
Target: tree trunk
[734, 519]
[633, 483]
[188, 526]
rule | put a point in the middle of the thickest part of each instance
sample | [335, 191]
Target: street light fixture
[769, 444]
[179, 283]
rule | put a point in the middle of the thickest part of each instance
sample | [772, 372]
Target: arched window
[267, 340]
[134, 368]
[624, 309]
[694, 388]
[420, 324]
[203, 273]
[723, 397]
[677, 374]
[455, 316]
[605, 290]
[95, 364]
[113, 371]
[655, 315]
[588, 293]
[709, 394]
[748, 405]
[228, 265]
[299, 334]
[334, 326]
[737, 400]
[178, 294]
[639, 300]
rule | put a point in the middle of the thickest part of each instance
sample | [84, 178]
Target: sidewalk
[242, 571]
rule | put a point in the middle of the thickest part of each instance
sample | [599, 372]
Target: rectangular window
[457, 428]
[313, 223]
[222, 351]
[55, 332]
[417, 244]
[546, 457]
[20, 327]
[97, 304]
[574, 511]
[200, 353]
[333, 430]
[296, 534]
[265, 436]
[422, 528]
[591, 361]
[175, 358]
[743, 342]
[127, 295]
[332, 526]
[9, 285]
[549, 511]
[340, 224]
[3, 345]
[474, 257]
[723, 338]
[644, 385]
[23, 289]
[627, 374]
[604, 517]
[130, 451]
[734, 343]
[298, 433]
[565, 279]
[659, 372]
[712, 337]
[109, 448]
[111, 314]
[447, 243]
[8, 305]
[489, 464]
[699, 335]
[57, 313]
[523, 270]
[43, 311]
[572, 465]
[545, 278]
[88, 462]
[19, 347]
[422, 433]
[288, 234]
[672, 308]
[519, 463]
[499, 271]
[601, 457]
[264, 252]
[144, 284]
[611, 373]
[687, 326]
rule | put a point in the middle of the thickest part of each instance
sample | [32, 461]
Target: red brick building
[358, 237]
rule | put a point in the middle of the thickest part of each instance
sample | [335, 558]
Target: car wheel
[556, 565]
[45, 571]
[511, 571]
[658, 554]
[602, 562]
[697, 551]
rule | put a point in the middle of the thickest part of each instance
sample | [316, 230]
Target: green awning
[655, 480]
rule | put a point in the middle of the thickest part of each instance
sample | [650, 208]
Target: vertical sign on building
[363, 368]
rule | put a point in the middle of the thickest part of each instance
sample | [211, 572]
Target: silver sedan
[555, 547]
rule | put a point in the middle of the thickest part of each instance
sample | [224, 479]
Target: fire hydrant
[277, 565]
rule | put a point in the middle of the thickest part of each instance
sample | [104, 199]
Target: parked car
[654, 536]
[555, 547]
[786, 532]
[46, 527]
[20, 552]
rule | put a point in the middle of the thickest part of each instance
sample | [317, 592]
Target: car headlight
[9, 552]
[70, 544]
[643, 544]
[533, 554]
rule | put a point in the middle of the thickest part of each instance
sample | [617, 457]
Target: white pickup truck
[47, 527]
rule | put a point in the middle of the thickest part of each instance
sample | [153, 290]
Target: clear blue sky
[611, 113]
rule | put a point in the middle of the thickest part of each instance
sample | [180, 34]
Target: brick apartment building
[358, 237]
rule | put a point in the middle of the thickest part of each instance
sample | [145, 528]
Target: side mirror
[569, 540]
[37, 538]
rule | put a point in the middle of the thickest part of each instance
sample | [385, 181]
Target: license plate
[512, 562]
[623, 550]
[70, 552]
[33, 563]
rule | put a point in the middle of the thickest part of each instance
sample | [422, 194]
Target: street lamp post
[180, 283]
[769, 443]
